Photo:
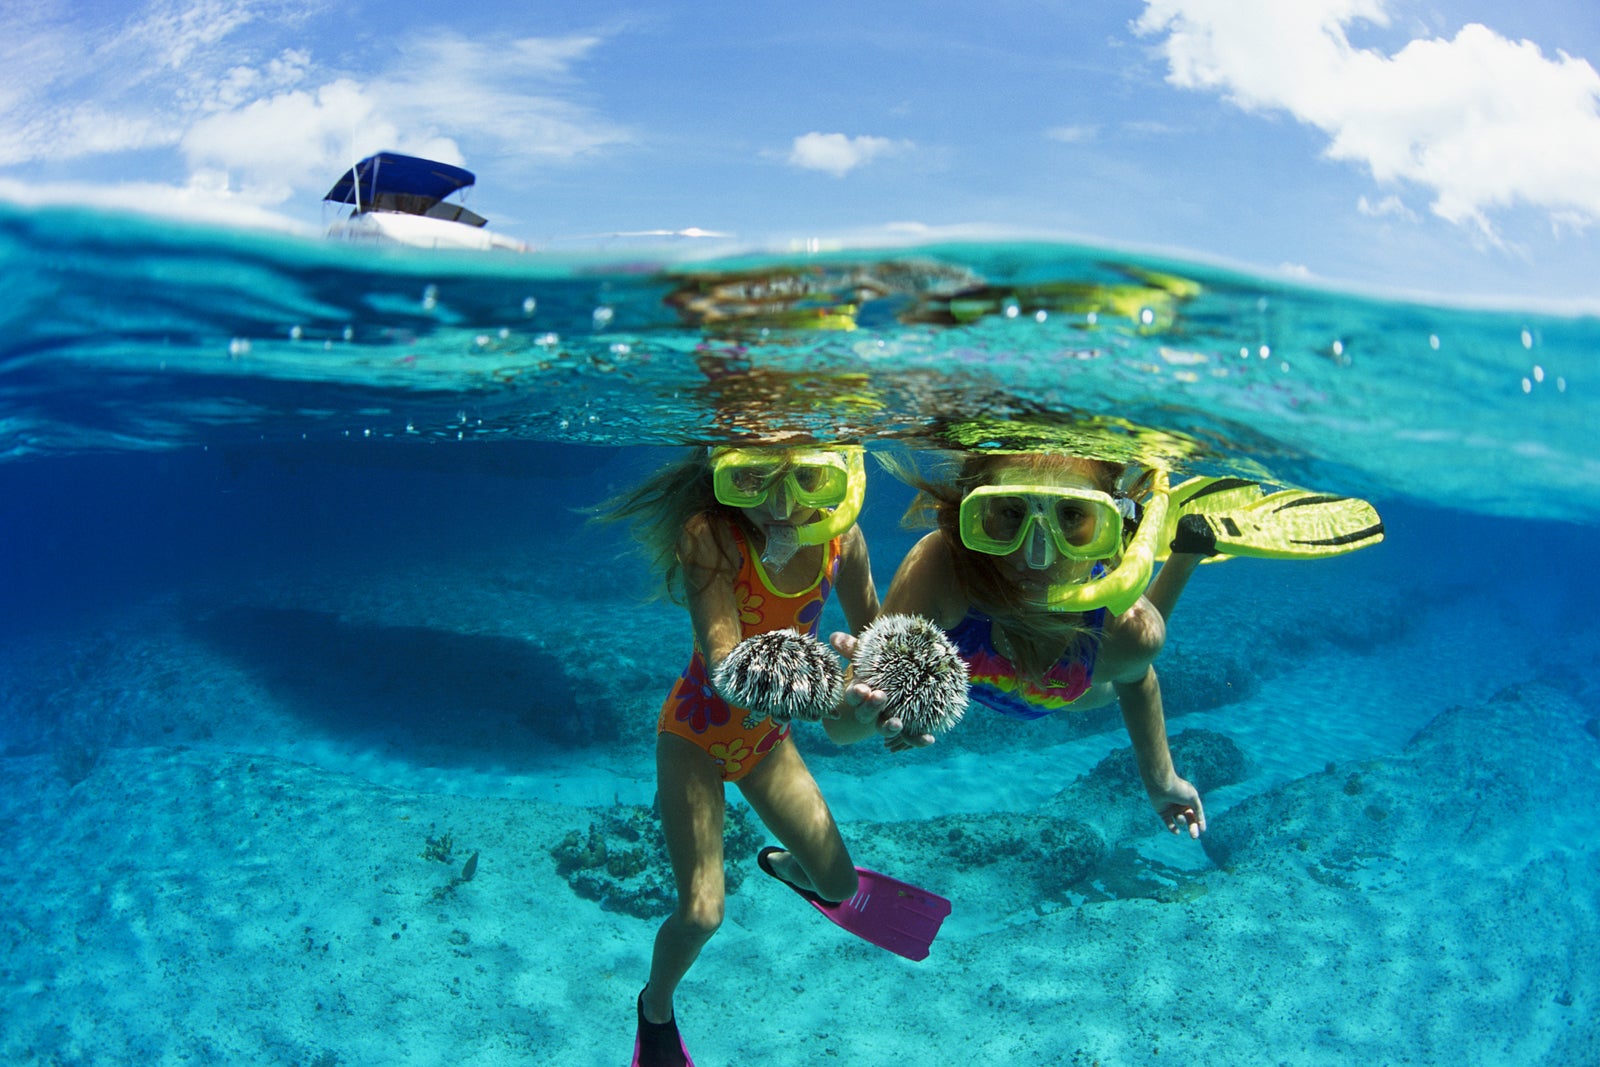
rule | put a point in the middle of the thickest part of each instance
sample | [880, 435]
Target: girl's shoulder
[926, 583]
[709, 542]
[1133, 639]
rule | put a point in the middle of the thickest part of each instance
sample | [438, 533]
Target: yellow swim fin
[1205, 496]
[1245, 520]
[1293, 524]
[1210, 495]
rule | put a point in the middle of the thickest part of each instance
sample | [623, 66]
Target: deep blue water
[347, 471]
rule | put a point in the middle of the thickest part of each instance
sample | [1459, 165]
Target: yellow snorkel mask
[1077, 523]
[832, 481]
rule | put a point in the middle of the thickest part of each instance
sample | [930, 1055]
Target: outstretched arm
[1170, 581]
[1175, 800]
[1133, 641]
[858, 597]
[709, 572]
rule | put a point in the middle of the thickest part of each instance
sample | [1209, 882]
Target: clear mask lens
[801, 478]
[1077, 523]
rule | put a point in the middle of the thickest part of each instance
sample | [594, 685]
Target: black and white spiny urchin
[911, 659]
[783, 674]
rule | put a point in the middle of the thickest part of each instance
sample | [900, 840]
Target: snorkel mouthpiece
[783, 541]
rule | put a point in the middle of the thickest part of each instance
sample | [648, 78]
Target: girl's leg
[783, 793]
[689, 792]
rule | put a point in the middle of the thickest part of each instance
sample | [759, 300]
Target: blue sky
[1448, 147]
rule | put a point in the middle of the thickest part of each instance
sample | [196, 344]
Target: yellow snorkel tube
[842, 517]
[1121, 587]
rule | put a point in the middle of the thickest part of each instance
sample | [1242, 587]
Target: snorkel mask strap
[836, 522]
[1122, 587]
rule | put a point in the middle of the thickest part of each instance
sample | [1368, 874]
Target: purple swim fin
[885, 911]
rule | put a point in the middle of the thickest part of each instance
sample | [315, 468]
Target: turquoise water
[300, 611]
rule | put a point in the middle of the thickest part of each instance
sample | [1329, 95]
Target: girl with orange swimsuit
[754, 540]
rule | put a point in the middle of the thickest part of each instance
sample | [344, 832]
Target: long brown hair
[1038, 637]
[657, 510]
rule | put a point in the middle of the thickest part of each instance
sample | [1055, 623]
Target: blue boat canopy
[393, 173]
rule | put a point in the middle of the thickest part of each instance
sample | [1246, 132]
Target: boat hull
[419, 231]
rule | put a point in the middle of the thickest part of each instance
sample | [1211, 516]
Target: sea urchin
[911, 659]
[783, 674]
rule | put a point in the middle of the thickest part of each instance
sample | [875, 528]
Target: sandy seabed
[1403, 874]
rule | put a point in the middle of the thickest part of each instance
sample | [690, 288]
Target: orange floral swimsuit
[735, 738]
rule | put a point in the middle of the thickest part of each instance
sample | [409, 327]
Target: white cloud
[497, 92]
[838, 154]
[268, 122]
[175, 30]
[1388, 207]
[69, 133]
[1072, 134]
[1484, 122]
[242, 84]
[444, 90]
[293, 140]
[196, 202]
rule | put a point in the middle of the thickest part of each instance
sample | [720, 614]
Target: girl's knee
[838, 885]
[701, 916]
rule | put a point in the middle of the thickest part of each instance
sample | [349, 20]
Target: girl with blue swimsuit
[1017, 534]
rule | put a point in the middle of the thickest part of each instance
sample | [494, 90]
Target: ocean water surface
[301, 614]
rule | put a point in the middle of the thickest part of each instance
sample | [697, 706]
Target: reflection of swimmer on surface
[834, 296]
[749, 400]
[790, 298]
[793, 316]
[755, 540]
[775, 354]
[745, 312]
[819, 296]
[1033, 575]
[1150, 303]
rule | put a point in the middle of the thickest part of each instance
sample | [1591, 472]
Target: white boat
[397, 199]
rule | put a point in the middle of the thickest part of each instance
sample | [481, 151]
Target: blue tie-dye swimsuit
[994, 681]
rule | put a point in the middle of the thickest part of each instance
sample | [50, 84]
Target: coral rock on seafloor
[911, 659]
[621, 861]
[783, 674]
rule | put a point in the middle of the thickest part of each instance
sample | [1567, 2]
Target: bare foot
[786, 867]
